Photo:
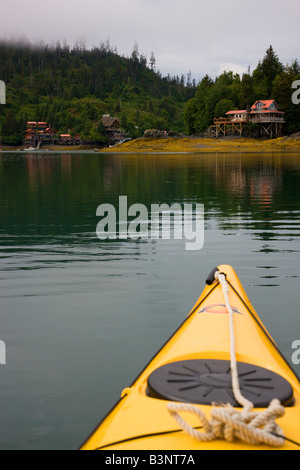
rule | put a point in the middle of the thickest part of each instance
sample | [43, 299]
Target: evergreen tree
[270, 80]
[199, 110]
[247, 92]
[222, 107]
[281, 92]
[73, 87]
[10, 129]
[267, 70]
[152, 62]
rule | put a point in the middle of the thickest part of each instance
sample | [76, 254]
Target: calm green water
[80, 317]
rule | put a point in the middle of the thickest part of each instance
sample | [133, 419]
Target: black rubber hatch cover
[202, 381]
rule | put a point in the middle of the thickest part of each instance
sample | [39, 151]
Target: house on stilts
[115, 134]
[264, 113]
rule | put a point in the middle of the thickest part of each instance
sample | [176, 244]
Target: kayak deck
[194, 367]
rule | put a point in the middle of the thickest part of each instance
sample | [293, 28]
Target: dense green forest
[71, 88]
[270, 80]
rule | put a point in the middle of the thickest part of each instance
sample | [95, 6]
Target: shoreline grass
[187, 145]
[199, 145]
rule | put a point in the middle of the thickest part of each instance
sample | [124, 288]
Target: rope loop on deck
[226, 422]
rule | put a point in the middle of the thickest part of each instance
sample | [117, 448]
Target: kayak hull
[140, 420]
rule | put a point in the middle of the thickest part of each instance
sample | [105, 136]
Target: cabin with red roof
[65, 139]
[238, 115]
[265, 113]
[262, 111]
[40, 132]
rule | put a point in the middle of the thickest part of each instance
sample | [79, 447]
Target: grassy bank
[195, 145]
[185, 145]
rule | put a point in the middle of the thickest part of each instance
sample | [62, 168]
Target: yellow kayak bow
[219, 383]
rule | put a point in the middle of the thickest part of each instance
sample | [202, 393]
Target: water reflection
[49, 202]
[64, 191]
[75, 309]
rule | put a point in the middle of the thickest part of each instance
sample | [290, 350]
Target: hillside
[72, 88]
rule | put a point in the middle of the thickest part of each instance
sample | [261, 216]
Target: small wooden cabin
[110, 122]
[238, 116]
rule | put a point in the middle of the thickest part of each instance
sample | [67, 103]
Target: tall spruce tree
[266, 72]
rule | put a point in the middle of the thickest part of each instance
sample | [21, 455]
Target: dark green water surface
[81, 317]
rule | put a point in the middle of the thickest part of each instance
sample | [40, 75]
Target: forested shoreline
[271, 79]
[71, 89]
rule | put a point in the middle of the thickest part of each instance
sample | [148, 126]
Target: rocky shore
[186, 144]
[194, 144]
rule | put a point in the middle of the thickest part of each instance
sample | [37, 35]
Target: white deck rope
[226, 422]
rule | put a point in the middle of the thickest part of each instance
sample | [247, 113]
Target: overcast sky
[204, 37]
